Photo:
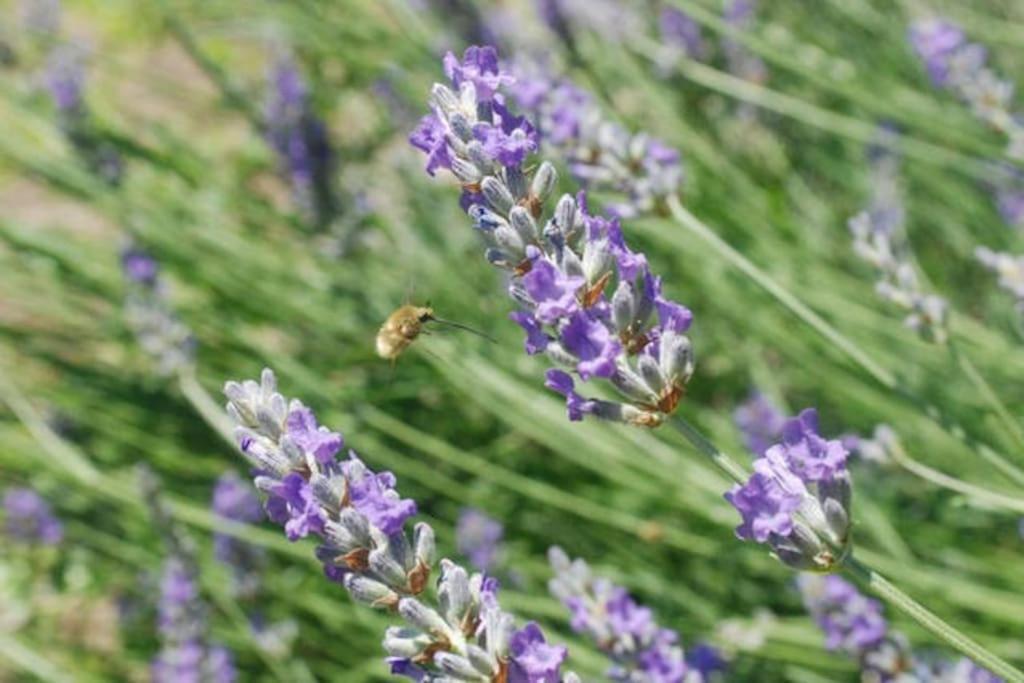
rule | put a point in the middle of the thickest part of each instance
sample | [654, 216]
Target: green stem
[204, 404]
[945, 481]
[927, 619]
[1011, 425]
[730, 467]
[884, 377]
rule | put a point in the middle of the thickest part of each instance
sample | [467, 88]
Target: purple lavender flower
[65, 79]
[479, 538]
[536, 339]
[808, 455]
[798, 498]
[760, 421]
[639, 649]
[680, 30]
[935, 41]
[320, 442]
[301, 142]
[586, 300]
[1010, 201]
[360, 518]
[293, 503]
[429, 137]
[235, 500]
[479, 66]
[29, 518]
[158, 331]
[139, 267]
[184, 654]
[577, 406]
[553, 291]
[533, 660]
[768, 500]
[589, 339]
[186, 651]
[879, 238]
[961, 67]
[739, 14]
[600, 154]
[852, 622]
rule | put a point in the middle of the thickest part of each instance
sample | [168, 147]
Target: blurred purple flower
[29, 518]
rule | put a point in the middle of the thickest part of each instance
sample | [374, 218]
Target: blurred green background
[177, 88]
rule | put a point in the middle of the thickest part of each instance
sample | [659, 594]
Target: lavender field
[512, 341]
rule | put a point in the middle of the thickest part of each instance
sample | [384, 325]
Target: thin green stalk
[204, 404]
[1011, 425]
[991, 498]
[730, 467]
[933, 623]
[884, 377]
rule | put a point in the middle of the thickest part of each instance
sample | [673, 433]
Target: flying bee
[406, 324]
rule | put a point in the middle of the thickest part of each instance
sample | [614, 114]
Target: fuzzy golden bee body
[401, 329]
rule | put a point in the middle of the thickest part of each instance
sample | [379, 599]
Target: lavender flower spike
[586, 300]
[159, 332]
[186, 651]
[29, 518]
[601, 154]
[760, 421]
[640, 650]
[879, 239]
[479, 538]
[798, 498]
[960, 66]
[235, 500]
[360, 519]
[301, 142]
[854, 624]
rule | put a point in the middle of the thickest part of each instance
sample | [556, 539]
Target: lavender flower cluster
[479, 539]
[187, 653]
[360, 518]
[961, 67]
[65, 79]
[235, 500]
[601, 154]
[185, 656]
[739, 14]
[798, 498]
[879, 238]
[854, 624]
[159, 332]
[561, 267]
[301, 142]
[28, 518]
[641, 651]
[1008, 268]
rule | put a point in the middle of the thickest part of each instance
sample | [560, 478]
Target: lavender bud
[423, 617]
[524, 224]
[498, 196]
[369, 592]
[544, 181]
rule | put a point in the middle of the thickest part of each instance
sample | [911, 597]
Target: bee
[405, 325]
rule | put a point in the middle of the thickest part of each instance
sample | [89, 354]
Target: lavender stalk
[360, 518]
[559, 274]
[641, 651]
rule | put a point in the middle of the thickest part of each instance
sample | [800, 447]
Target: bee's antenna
[467, 328]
